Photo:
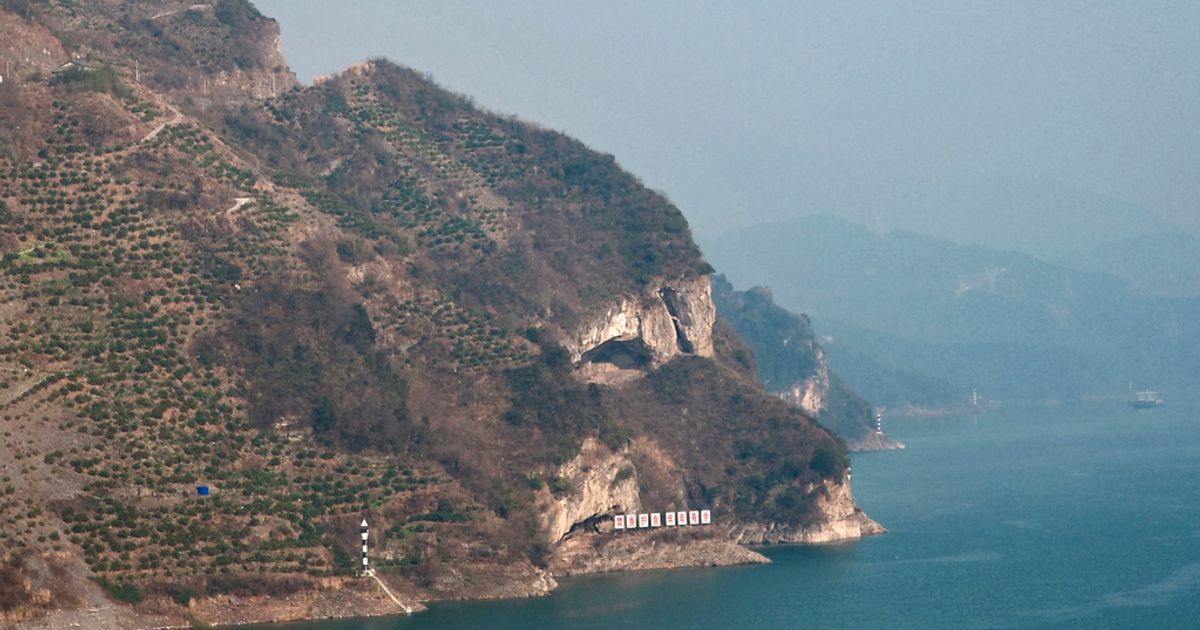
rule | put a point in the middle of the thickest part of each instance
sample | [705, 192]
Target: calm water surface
[1077, 516]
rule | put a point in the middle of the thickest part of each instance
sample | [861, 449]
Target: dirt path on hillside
[240, 203]
[176, 118]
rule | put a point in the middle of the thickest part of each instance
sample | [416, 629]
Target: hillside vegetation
[335, 301]
[789, 359]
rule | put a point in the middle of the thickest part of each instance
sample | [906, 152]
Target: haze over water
[1077, 516]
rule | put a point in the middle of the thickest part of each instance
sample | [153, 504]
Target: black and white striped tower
[365, 569]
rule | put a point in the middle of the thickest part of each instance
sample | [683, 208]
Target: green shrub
[91, 79]
[559, 485]
[121, 591]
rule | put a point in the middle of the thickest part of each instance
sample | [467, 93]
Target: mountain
[791, 364]
[1009, 324]
[893, 384]
[1165, 264]
[1030, 213]
[1021, 211]
[240, 315]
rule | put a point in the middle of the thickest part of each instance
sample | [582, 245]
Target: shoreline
[752, 552]
[361, 598]
[873, 442]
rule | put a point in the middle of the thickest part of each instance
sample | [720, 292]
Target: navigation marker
[365, 569]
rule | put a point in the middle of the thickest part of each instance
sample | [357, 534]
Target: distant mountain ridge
[1166, 264]
[967, 315]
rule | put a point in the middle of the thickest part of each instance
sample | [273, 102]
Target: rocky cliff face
[832, 403]
[645, 331]
[692, 312]
[811, 393]
[665, 548]
[599, 484]
[840, 519]
[792, 364]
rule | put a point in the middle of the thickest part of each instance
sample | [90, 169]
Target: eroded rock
[840, 519]
[812, 393]
[645, 331]
[602, 483]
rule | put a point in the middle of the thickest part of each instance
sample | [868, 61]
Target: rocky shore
[654, 549]
[843, 521]
[334, 598]
[873, 442]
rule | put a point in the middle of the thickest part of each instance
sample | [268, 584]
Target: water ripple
[1184, 580]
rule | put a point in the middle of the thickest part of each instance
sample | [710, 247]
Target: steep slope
[792, 365]
[362, 298]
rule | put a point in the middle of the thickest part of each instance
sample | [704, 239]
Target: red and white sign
[656, 520]
[670, 519]
[631, 521]
[694, 517]
[681, 518]
[643, 520]
[706, 517]
[619, 521]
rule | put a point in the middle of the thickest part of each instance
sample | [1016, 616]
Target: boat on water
[1146, 399]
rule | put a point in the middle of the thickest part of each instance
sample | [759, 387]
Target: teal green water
[1076, 516]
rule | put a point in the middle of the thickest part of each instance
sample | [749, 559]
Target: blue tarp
[202, 490]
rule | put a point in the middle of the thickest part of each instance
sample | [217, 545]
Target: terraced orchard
[363, 298]
[119, 257]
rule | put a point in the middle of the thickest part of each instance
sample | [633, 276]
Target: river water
[1084, 515]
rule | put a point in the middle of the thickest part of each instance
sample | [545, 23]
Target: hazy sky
[912, 115]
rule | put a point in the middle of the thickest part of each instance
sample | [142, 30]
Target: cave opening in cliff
[631, 354]
[589, 525]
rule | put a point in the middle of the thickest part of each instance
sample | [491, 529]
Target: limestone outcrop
[812, 393]
[601, 483]
[692, 313]
[647, 330]
[644, 550]
[842, 520]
